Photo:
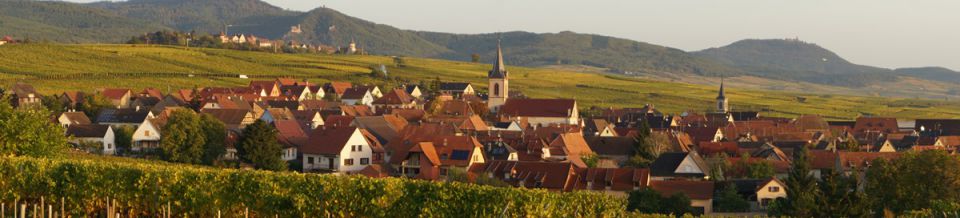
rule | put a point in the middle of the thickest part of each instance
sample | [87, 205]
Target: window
[146, 132]
[364, 161]
[348, 162]
[353, 148]
[310, 160]
[496, 89]
[359, 147]
[443, 171]
[774, 189]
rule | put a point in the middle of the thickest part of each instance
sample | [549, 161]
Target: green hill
[67, 22]
[114, 22]
[931, 73]
[795, 60]
[54, 68]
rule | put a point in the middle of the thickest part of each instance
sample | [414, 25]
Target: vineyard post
[3, 209]
[246, 212]
[50, 211]
[62, 211]
[218, 213]
[42, 206]
[34, 215]
[23, 210]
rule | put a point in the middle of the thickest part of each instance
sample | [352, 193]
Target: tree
[802, 190]
[840, 197]
[645, 150]
[123, 137]
[850, 144]
[475, 58]
[182, 140]
[53, 104]
[730, 201]
[92, 104]
[258, 146]
[29, 132]
[760, 170]
[915, 180]
[591, 160]
[647, 200]
[214, 133]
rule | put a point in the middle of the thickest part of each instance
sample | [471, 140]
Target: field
[53, 68]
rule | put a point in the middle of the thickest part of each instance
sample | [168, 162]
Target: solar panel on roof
[460, 155]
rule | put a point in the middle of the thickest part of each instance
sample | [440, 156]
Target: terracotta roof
[338, 121]
[292, 105]
[376, 171]
[862, 160]
[280, 114]
[356, 110]
[228, 116]
[713, 148]
[77, 117]
[572, 144]
[611, 146]
[395, 97]
[355, 93]
[328, 140]
[290, 133]
[876, 124]
[428, 150]
[412, 115]
[385, 128]
[456, 108]
[696, 190]
[549, 175]
[539, 107]
[115, 94]
[474, 123]
[618, 179]
[338, 87]
[74, 97]
[87, 130]
[152, 92]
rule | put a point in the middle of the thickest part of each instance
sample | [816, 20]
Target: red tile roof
[115, 94]
[328, 140]
[539, 107]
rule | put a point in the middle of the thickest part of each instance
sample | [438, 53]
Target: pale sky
[884, 33]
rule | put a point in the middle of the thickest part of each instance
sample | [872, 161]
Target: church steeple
[499, 83]
[498, 71]
[723, 105]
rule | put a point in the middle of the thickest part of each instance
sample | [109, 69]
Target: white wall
[364, 151]
[141, 134]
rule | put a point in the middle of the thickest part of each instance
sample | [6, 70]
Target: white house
[93, 133]
[147, 135]
[414, 91]
[69, 118]
[769, 191]
[357, 95]
[342, 149]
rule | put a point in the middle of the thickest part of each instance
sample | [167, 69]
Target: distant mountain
[795, 60]
[931, 73]
[67, 22]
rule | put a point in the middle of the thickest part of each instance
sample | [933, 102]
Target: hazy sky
[885, 33]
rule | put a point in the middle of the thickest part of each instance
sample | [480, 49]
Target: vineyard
[54, 68]
[139, 188]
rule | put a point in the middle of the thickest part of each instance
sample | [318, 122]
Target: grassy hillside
[54, 68]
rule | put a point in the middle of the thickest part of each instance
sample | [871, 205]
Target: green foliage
[53, 104]
[729, 201]
[123, 137]
[591, 160]
[644, 148]
[802, 190]
[92, 104]
[258, 146]
[183, 138]
[841, 198]
[28, 132]
[214, 133]
[906, 183]
[145, 187]
[650, 201]
[850, 144]
[760, 170]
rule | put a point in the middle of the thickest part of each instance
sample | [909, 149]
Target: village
[501, 135]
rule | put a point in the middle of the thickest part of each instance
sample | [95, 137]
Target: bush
[143, 187]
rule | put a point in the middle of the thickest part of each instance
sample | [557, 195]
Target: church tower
[723, 106]
[499, 83]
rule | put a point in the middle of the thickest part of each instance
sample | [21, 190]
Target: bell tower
[723, 106]
[498, 83]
